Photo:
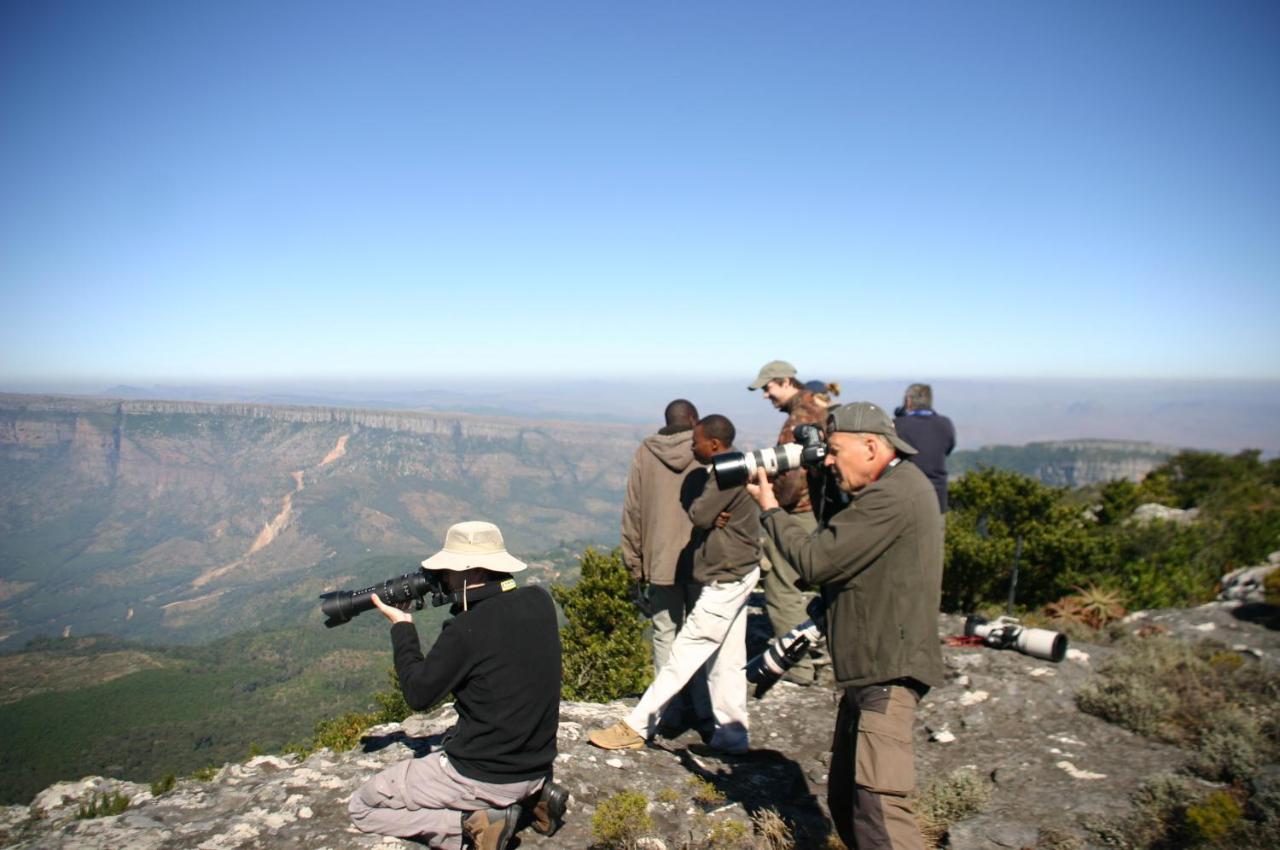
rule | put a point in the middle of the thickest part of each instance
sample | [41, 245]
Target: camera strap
[463, 599]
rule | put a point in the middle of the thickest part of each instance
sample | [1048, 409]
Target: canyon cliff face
[182, 521]
[1069, 463]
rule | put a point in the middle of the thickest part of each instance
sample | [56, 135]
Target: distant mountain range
[182, 521]
[1068, 463]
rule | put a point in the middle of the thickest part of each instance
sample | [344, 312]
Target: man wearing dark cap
[878, 562]
[784, 602]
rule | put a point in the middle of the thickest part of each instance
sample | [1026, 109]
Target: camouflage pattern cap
[863, 417]
[774, 370]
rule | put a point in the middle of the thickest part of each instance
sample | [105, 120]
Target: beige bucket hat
[474, 544]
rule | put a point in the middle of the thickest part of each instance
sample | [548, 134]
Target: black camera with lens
[733, 469]
[403, 591]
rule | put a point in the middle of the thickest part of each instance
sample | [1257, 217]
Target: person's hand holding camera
[761, 489]
[395, 615]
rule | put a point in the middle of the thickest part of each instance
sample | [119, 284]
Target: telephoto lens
[1008, 633]
[782, 653]
[733, 469]
[340, 606]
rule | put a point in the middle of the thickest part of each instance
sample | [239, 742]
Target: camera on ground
[1008, 633]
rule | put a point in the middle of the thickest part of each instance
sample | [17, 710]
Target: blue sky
[217, 191]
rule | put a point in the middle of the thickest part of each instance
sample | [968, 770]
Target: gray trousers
[426, 797]
[784, 602]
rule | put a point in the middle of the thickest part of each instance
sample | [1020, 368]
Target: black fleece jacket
[501, 661]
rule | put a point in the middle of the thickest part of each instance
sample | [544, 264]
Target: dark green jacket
[879, 562]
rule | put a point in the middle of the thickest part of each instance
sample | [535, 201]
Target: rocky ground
[1008, 717]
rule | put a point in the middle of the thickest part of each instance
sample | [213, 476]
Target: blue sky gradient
[219, 191]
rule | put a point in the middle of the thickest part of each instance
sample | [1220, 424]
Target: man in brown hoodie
[727, 564]
[658, 544]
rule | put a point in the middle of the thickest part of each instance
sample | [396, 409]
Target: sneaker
[489, 829]
[619, 736]
[548, 808]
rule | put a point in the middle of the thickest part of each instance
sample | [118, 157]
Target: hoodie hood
[674, 450]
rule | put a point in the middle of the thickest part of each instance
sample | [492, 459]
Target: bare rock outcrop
[1010, 718]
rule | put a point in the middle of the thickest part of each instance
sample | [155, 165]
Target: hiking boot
[489, 829]
[548, 808]
[619, 736]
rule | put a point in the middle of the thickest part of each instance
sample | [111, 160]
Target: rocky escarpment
[1009, 718]
[1068, 463]
[450, 424]
[144, 513]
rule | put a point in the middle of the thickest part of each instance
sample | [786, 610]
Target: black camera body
[733, 469]
[340, 606]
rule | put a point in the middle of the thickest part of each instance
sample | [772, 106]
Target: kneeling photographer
[878, 562]
[499, 656]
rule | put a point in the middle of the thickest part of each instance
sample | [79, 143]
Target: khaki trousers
[873, 772]
[714, 635]
[672, 605]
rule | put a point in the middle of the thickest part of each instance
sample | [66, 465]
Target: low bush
[1194, 695]
[163, 785]
[951, 798]
[1172, 812]
[112, 803]
[773, 831]
[621, 820]
[703, 792]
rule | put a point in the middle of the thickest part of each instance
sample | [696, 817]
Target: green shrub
[1215, 818]
[206, 773]
[1194, 695]
[724, 834]
[1230, 746]
[621, 820]
[604, 652]
[391, 702]
[1271, 588]
[954, 797]
[1157, 819]
[990, 510]
[163, 785]
[703, 792]
[342, 732]
[112, 803]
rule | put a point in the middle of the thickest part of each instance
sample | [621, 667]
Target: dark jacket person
[499, 656]
[879, 564]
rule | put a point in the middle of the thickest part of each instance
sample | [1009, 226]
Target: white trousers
[426, 798]
[672, 606]
[714, 637]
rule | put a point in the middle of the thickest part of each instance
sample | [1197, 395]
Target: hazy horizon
[1222, 415]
